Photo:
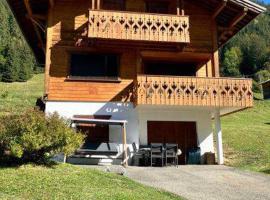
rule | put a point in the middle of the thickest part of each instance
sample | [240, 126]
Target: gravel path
[205, 182]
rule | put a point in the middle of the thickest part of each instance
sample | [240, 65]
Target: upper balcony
[122, 25]
[194, 91]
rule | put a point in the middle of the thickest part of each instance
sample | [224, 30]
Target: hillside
[16, 97]
[246, 138]
[246, 134]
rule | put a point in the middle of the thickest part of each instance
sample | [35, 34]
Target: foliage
[262, 75]
[232, 59]
[17, 62]
[249, 51]
[32, 137]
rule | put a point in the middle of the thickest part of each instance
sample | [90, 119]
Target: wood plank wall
[69, 28]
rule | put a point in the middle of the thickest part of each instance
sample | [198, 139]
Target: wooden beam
[219, 8]
[238, 18]
[49, 35]
[177, 7]
[30, 14]
[51, 2]
[93, 4]
[40, 17]
[182, 8]
[125, 157]
[98, 4]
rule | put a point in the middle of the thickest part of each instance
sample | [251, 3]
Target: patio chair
[157, 152]
[137, 155]
[171, 152]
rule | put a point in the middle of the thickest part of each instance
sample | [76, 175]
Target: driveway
[205, 182]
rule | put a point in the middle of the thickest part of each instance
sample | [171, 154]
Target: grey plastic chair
[171, 152]
[157, 152]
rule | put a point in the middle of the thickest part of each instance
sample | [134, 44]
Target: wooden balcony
[138, 26]
[193, 91]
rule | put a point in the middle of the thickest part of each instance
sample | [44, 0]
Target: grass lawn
[72, 182]
[16, 97]
[246, 138]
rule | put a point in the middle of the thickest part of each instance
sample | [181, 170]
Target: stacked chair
[164, 152]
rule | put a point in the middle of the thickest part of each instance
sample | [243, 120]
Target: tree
[231, 62]
[17, 62]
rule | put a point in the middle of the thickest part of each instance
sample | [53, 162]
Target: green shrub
[32, 137]
[262, 75]
[256, 87]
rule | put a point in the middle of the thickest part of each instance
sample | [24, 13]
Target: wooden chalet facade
[143, 61]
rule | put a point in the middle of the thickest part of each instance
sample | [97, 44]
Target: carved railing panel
[194, 91]
[138, 26]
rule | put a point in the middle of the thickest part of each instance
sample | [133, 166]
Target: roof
[40, 8]
[262, 83]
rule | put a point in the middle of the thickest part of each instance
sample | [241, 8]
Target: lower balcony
[194, 91]
[122, 25]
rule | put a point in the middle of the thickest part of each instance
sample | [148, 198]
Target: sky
[266, 1]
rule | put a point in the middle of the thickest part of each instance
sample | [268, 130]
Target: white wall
[137, 119]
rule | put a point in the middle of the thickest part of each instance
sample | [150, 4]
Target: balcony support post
[178, 7]
[98, 4]
[182, 8]
[218, 132]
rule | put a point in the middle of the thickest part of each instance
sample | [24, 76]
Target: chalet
[138, 71]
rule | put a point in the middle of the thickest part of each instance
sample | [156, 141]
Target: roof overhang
[250, 5]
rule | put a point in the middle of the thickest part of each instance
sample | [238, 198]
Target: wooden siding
[69, 27]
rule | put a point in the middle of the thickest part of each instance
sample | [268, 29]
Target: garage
[182, 133]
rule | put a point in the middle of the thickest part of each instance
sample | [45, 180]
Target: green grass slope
[71, 182]
[246, 138]
[16, 97]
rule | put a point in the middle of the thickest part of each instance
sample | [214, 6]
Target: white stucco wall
[137, 119]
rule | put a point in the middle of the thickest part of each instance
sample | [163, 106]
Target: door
[182, 133]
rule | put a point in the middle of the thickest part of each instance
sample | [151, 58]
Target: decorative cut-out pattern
[194, 91]
[138, 26]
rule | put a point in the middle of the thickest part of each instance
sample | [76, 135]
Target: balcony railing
[138, 26]
[193, 91]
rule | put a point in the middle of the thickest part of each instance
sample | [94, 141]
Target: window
[97, 66]
[157, 7]
[113, 5]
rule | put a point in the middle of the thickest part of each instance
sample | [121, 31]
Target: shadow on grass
[258, 99]
[266, 171]
[14, 163]
[267, 123]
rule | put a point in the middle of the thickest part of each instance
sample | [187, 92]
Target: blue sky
[266, 1]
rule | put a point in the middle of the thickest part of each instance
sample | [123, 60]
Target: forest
[17, 62]
[246, 55]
